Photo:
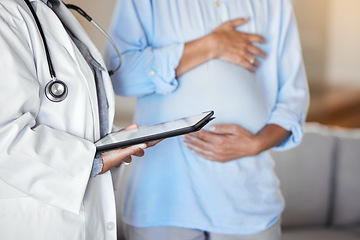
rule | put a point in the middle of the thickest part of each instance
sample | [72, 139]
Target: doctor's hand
[228, 142]
[237, 47]
[117, 157]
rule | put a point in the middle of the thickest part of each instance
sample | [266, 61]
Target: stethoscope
[56, 90]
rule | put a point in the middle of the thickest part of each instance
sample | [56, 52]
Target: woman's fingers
[237, 22]
[207, 145]
[255, 38]
[199, 151]
[239, 48]
[256, 51]
[252, 60]
[248, 64]
[225, 129]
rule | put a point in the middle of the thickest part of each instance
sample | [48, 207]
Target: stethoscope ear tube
[51, 67]
[85, 15]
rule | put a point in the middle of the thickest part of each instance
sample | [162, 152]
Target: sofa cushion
[304, 173]
[318, 234]
[347, 181]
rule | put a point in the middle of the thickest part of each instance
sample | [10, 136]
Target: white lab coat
[46, 148]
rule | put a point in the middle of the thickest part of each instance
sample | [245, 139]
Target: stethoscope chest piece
[56, 91]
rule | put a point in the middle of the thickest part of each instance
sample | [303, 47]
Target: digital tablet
[143, 134]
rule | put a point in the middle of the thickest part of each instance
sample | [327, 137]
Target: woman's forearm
[195, 53]
[270, 136]
[226, 43]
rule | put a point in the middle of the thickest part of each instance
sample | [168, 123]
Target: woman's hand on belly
[230, 141]
[237, 47]
[225, 43]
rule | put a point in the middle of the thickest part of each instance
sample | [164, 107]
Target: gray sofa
[320, 181]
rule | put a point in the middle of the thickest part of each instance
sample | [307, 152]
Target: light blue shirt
[171, 186]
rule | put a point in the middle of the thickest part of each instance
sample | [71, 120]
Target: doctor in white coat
[47, 148]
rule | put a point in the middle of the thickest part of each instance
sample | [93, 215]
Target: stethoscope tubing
[56, 90]
[51, 67]
[87, 17]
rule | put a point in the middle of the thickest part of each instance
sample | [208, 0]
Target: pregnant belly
[235, 95]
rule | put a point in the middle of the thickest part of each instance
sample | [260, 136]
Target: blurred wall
[329, 33]
[312, 23]
[343, 65]
[330, 36]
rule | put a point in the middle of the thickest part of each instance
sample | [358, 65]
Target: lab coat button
[151, 73]
[110, 226]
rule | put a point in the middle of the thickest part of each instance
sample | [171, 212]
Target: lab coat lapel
[75, 27]
[86, 78]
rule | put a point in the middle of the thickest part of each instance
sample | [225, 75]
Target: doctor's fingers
[115, 157]
[136, 150]
[132, 126]
[153, 143]
[126, 160]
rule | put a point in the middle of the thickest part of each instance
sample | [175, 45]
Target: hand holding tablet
[143, 134]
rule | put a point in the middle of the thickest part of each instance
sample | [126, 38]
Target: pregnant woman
[240, 58]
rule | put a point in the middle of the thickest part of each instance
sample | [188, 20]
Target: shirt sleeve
[97, 166]
[145, 69]
[292, 100]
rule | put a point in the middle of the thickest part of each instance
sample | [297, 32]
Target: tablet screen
[155, 131]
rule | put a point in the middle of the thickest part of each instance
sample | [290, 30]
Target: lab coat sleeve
[145, 69]
[46, 164]
[293, 93]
